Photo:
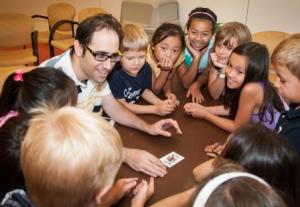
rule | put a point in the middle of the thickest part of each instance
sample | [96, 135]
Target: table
[196, 135]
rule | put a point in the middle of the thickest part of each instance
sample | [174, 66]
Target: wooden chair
[65, 44]
[270, 39]
[55, 13]
[18, 40]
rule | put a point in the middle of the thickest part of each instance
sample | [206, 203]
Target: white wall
[259, 15]
[282, 15]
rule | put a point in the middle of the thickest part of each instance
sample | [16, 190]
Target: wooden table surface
[196, 135]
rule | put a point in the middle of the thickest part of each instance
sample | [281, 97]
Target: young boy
[70, 157]
[133, 77]
[286, 61]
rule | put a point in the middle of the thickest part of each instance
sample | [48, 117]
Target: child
[262, 153]
[227, 185]
[286, 61]
[164, 55]
[132, 78]
[200, 28]
[227, 38]
[249, 96]
[21, 93]
[76, 158]
[236, 188]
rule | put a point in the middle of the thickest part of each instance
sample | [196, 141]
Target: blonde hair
[69, 155]
[235, 30]
[135, 38]
[287, 54]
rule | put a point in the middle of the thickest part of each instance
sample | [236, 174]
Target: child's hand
[166, 64]
[165, 107]
[142, 193]
[218, 62]
[194, 53]
[172, 97]
[214, 150]
[121, 187]
[195, 92]
[195, 110]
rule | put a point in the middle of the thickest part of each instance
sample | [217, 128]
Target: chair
[57, 12]
[149, 14]
[65, 44]
[270, 39]
[18, 40]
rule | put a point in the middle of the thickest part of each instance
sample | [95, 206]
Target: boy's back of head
[68, 156]
[135, 38]
[287, 54]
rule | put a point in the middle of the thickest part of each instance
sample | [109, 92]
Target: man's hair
[287, 54]
[95, 23]
[135, 38]
[67, 156]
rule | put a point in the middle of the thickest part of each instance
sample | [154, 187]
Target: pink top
[9, 115]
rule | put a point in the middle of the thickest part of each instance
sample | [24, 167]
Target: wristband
[221, 76]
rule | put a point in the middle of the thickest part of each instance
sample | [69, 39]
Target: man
[88, 63]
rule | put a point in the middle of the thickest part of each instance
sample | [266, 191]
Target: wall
[257, 14]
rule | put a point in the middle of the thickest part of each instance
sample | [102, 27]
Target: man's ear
[78, 48]
[101, 195]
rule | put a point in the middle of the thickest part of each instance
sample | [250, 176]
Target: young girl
[131, 79]
[227, 38]
[263, 153]
[200, 28]
[165, 54]
[249, 96]
[227, 185]
[21, 93]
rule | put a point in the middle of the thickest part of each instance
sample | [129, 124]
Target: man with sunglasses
[88, 63]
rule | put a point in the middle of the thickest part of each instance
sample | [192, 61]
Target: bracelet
[221, 76]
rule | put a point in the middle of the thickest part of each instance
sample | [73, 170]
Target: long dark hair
[257, 71]
[40, 85]
[265, 154]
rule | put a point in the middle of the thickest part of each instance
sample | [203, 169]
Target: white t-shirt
[89, 94]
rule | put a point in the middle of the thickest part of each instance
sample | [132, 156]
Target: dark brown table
[196, 135]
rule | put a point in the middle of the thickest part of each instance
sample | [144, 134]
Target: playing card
[171, 159]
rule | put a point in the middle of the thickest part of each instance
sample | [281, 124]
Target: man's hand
[143, 161]
[159, 128]
[142, 193]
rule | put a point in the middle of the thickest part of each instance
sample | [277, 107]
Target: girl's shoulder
[253, 88]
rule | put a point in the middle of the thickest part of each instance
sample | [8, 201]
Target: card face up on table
[171, 159]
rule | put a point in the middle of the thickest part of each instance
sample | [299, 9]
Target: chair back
[15, 30]
[270, 39]
[18, 40]
[88, 12]
[61, 11]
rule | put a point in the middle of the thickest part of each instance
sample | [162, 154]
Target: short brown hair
[287, 54]
[67, 156]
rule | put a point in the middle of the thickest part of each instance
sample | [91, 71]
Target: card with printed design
[171, 159]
